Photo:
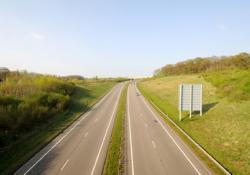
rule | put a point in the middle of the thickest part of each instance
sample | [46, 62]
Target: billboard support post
[180, 104]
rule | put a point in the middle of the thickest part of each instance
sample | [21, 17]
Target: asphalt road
[81, 148]
[153, 148]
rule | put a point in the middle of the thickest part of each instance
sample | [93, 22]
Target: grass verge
[114, 159]
[223, 130]
[202, 156]
[86, 95]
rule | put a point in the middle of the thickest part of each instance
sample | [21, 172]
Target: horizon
[94, 76]
[118, 39]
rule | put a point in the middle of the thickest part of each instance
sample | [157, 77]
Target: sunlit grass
[114, 159]
[84, 97]
[223, 130]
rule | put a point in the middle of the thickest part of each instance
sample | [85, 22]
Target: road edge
[98, 100]
[185, 134]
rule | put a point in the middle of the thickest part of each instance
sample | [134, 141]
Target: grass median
[114, 159]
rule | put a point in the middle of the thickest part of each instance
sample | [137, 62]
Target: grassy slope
[85, 96]
[223, 130]
[113, 164]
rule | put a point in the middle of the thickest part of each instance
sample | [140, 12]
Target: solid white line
[153, 143]
[212, 159]
[85, 115]
[106, 132]
[130, 136]
[64, 164]
[170, 136]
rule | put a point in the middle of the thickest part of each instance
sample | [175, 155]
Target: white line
[196, 144]
[53, 147]
[171, 137]
[86, 134]
[130, 136]
[64, 164]
[153, 143]
[85, 115]
[106, 132]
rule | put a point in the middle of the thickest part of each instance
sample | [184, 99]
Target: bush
[28, 100]
[44, 105]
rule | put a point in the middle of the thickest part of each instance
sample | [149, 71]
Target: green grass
[233, 84]
[223, 130]
[86, 94]
[114, 159]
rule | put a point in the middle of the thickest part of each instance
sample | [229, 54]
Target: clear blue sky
[118, 38]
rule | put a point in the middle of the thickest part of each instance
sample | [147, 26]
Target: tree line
[199, 64]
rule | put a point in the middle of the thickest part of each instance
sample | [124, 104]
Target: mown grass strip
[28, 145]
[198, 151]
[114, 159]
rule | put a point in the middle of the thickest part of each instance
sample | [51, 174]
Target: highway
[153, 148]
[81, 148]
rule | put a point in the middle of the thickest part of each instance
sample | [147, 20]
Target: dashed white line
[86, 134]
[170, 135]
[85, 115]
[105, 135]
[64, 165]
[130, 136]
[154, 145]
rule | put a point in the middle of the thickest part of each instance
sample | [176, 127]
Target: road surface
[81, 148]
[152, 146]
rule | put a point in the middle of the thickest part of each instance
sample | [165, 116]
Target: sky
[118, 38]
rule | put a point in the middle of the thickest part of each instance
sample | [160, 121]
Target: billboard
[190, 98]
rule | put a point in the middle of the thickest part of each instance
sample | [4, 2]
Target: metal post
[201, 101]
[191, 98]
[180, 102]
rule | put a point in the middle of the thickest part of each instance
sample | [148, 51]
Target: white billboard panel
[190, 98]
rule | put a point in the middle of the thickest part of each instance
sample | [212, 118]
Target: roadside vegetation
[207, 64]
[114, 159]
[35, 108]
[223, 130]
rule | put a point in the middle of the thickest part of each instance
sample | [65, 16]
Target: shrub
[27, 100]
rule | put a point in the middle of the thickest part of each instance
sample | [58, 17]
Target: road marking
[154, 145]
[86, 134]
[106, 132]
[64, 164]
[130, 136]
[84, 116]
[183, 132]
[170, 135]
